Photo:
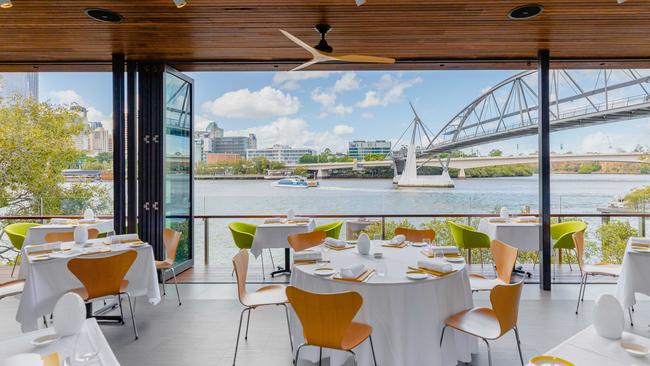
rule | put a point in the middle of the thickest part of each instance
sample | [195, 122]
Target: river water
[570, 193]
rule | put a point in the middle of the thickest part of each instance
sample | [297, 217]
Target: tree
[104, 157]
[496, 152]
[374, 157]
[36, 145]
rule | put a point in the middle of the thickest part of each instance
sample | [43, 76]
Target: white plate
[324, 271]
[455, 259]
[634, 349]
[416, 275]
[418, 244]
[45, 340]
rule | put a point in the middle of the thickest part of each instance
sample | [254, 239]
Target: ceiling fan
[323, 52]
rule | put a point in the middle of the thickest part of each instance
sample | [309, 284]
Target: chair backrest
[416, 235]
[566, 227]
[307, 240]
[17, 232]
[466, 237]
[325, 318]
[240, 263]
[242, 234]
[505, 303]
[332, 230]
[68, 235]
[579, 240]
[457, 233]
[102, 276]
[171, 238]
[505, 257]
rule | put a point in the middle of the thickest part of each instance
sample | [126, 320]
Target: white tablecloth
[407, 316]
[47, 281]
[523, 236]
[635, 274]
[36, 234]
[587, 348]
[64, 347]
[275, 235]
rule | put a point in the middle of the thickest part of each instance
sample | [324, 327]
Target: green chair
[466, 237]
[562, 235]
[243, 234]
[16, 233]
[332, 230]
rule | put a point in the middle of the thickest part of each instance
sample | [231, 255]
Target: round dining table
[407, 316]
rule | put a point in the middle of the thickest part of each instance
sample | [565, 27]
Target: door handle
[146, 206]
[155, 206]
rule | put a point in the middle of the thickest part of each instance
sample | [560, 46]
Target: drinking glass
[381, 267]
[85, 350]
[324, 250]
[428, 245]
[376, 237]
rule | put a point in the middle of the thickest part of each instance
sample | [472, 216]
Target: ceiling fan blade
[306, 64]
[362, 58]
[300, 43]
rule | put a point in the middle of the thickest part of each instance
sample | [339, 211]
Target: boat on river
[296, 182]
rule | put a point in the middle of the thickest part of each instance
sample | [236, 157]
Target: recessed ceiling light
[6, 4]
[104, 15]
[180, 3]
[525, 11]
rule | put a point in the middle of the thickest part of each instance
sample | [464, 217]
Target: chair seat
[355, 335]
[603, 269]
[481, 283]
[267, 295]
[11, 288]
[81, 291]
[164, 264]
[480, 322]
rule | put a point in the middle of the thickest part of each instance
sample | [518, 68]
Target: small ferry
[296, 182]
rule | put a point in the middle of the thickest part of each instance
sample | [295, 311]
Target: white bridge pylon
[579, 98]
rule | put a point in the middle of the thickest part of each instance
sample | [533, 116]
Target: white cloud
[367, 115]
[66, 97]
[243, 103]
[347, 82]
[388, 90]
[343, 129]
[289, 80]
[70, 96]
[294, 132]
[327, 100]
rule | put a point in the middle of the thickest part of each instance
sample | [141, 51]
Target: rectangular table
[47, 281]
[64, 347]
[36, 234]
[522, 235]
[274, 235]
[635, 274]
[589, 349]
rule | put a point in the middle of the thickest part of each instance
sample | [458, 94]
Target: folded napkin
[435, 265]
[397, 239]
[126, 238]
[274, 221]
[59, 221]
[352, 271]
[335, 242]
[43, 248]
[307, 255]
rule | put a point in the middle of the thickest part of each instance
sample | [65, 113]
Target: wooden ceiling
[243, 35]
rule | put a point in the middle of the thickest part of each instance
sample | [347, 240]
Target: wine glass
[85, 349]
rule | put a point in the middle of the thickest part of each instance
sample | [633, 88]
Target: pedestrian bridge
[579, 98]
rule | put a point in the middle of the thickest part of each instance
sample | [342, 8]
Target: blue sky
[327, 109]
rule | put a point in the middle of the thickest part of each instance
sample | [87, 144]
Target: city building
[213, 130]
[94, 139]
[215, 158]
[358, 149]
[22, 83]
[280, 153]
[233, 144]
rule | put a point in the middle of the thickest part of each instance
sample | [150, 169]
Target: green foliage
[517, 170]
[638, 198]
[589, 168]
[645, 169]
[613, 238]
[374, 157]
[258, 165]
[303, 172]
[375, 228]
[495, 152]
[104, 157]
[325, 157]
[182, 226]
[36, 145]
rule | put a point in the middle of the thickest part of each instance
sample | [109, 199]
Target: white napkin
[335, 242]
[397, 239]
[307, 255]
[447, 249]
[352, 271]
[121, 238]
[59, 221]
[38, 247]
[435, 265]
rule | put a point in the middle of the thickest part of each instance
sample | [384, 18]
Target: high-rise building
[358, 149]
[280, 153]
[234, 144]
[213, 130]
[22, 83]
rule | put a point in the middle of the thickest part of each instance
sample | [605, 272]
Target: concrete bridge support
[323, 173]
[461, 174]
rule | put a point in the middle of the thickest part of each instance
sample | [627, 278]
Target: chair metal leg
[135, 328]
[295, 360]
[163, 283]
[119, 300]
[320, 356]
[241, 318]
[263, 273]
[15, 263]
[372, 348]
[286, 311]
[272, 261]
[354, 357]
[248, 320]
[521, 357]
[629, 311]
[584, 289]
[480, 253]
[489, 351]
[178, 295]
[45, 321]
[582, 284]
[443, 334]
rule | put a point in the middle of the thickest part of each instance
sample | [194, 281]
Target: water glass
[428, 245]
[380, 267]
[324, 250]
[85, 350]
[376, 237]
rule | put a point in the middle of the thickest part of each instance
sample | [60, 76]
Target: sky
[320, 110]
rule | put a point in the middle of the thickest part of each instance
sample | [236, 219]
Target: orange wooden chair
[103, 277]
[171, 238]
[416, 235]
[491, 324]
[505, 258]
[307, 240]
[327, 321]
[267, 295]
[68, 235]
